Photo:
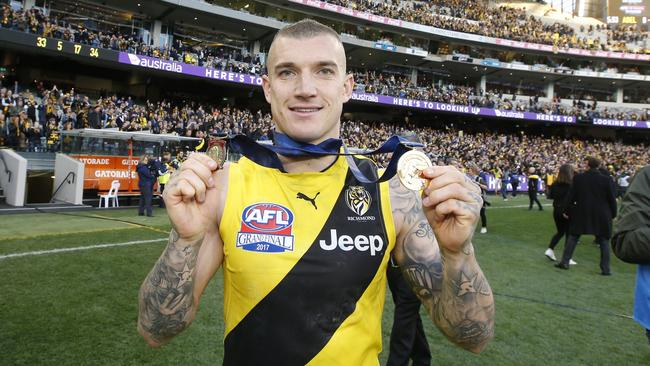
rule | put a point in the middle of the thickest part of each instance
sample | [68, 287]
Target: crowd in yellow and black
[485, 18]
[33, 120]
[36, 22]
[425, 88]
[394, 82]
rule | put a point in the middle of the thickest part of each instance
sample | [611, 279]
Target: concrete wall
[13, 182]
[72, 189]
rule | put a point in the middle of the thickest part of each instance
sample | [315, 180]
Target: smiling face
[306, 86]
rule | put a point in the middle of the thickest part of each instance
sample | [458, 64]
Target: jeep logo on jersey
[346, 243]
[358, 199]
[266, 227]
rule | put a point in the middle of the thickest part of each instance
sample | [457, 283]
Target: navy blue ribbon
[267, 155]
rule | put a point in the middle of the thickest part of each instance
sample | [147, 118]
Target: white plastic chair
[112, 193]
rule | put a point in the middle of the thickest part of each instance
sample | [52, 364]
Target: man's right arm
[170, 294]
[166, 296]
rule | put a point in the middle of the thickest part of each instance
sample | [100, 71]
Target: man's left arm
[446, 276]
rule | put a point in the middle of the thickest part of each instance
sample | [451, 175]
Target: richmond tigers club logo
[358, 199]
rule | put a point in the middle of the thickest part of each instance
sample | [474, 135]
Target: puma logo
[303, 196]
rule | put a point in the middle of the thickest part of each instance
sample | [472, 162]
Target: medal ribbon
[284, 145]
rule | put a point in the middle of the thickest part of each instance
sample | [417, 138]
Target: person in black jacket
[533, 183]
[408, 342]
[475, 175]
[592, 207]
[145, 184]
[514, 182]
[559, 193]
[631, 241]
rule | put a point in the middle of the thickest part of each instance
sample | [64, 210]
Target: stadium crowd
[478, 17]
[370, 81]
[400, 85]
[497, 153]
[33, 121]
[216, 57]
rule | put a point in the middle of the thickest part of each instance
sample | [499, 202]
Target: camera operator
[146, 178]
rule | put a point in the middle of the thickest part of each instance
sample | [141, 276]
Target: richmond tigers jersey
[305, 259]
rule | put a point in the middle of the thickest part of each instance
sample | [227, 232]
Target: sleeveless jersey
[305, 259]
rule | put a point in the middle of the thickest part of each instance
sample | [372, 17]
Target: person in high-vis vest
[304, 246]
[164, 173]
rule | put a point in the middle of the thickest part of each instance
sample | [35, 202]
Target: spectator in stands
[559, 193]
[52, 136]
[146, 182]
[631, 242]
[592, 206]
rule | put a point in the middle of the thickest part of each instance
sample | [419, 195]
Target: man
[164, 166]
[146, 182]
[592, 206]
[305, 246]
[475, 175]
[533, 183]
[631, 242]
[514, 182]
[407, 338]
[623, 183]
[505, 179]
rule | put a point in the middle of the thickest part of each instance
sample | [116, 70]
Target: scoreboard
[28, 40]
[628, 12]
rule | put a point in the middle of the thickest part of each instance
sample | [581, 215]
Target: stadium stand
[484, 18]
[492, 151]
[33, 116]
[234, 60]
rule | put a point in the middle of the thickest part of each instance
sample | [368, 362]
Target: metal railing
[65, 180]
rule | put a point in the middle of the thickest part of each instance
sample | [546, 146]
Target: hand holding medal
[450, 200]
[217, 151]
[410, 167]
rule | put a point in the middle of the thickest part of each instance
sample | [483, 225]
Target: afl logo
[266, 228]
[267, 217]
[358, 199]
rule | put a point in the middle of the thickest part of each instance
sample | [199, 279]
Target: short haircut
[305, 29]
[593, 162]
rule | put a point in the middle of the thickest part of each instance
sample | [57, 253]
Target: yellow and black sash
[304, 268]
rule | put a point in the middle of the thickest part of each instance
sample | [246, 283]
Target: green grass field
[80, 307]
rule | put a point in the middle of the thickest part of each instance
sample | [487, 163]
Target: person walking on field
[592, 207]
[146, 181]
[559, 193]
[514, 182]
[505, 179]
[533, 183]
[475, 175]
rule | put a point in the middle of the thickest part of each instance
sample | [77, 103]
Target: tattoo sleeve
[453, 289]
[166, 297]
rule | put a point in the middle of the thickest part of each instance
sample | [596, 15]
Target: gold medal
[217, 151]
[409, 167]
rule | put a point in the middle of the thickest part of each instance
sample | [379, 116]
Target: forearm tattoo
[166, 296]
[457, 297]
